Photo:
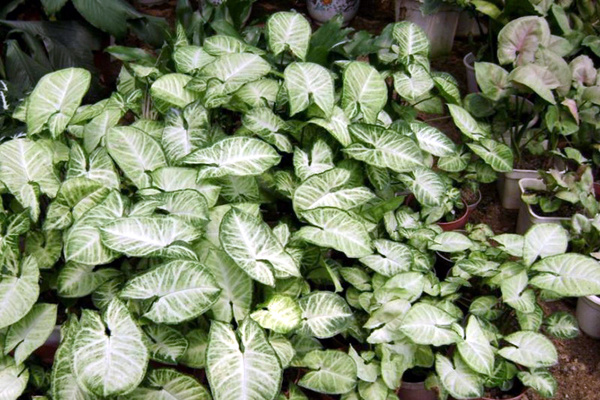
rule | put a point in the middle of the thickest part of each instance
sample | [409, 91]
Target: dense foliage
[233, 208]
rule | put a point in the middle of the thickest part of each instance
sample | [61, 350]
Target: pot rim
[460, 222]
[469, 61]
[540, 186]
[594, 299]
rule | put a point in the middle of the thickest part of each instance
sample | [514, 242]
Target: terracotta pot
[322, 11]
[452, 225]
[415, 391]
[458, 223]
[48, 349]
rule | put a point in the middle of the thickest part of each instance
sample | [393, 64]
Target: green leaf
[497, 155]
[519, 40]
[393, 258]
[537, 78]
[411, 39]
[180, 290]
[195, 354]
[529, 349]
[13, 379]
[492, 79]
[235, 298]
[458, 379]
[80, 280]
[31, 331]
[233, 71]
[279, 314]
[330, 189]
[162, 384]
[172, 179]
[263, 122]
[541, 381]
[62, 379]
[384, 148]
[324, 314]
[333, 228]
[449, 242]
[19, 293]
[148, 236]
[427, 324]
[332, 372]
[46, 247]
[562, 325]
[184, 132]
[544, 240]
[166, 344]
[238, 156]
[251, 244]
[191, 59]
[247, 369]
[24, 163]
[170, 90]
[110, 16]
[51, 7]
[414, 84]
[432, 140]
[95, 131]
[337, 125]
[466, 123]
[572, 275]
[55, 99]
[308, 83]
[288, 31]
[135, 152]
[515, 293]
[364, 91]
[476, 350]
[426, 185]
[114, 364]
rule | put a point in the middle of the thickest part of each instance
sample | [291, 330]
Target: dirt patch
[490, 211]
[578, 367]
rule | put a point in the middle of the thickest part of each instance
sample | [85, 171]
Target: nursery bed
[578, 370]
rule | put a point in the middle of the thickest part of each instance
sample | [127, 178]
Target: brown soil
[529, 161]
[490, 211]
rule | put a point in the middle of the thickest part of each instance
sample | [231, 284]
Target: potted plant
[557, 197]
[438, 18]
[214, 207]
[500, 300]
[322, 11]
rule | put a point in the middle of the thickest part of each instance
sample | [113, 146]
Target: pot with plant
[497, 320]
[227, 218]
[585, 239]
[322, 11]
[439, 19]
[557, 197]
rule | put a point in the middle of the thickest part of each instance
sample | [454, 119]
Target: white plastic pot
[588, 315]
[527, 217]
[508, 186]
[440, 27]
[468, 61]
[322, 11]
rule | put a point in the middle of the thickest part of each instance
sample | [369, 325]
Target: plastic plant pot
[440, 26]
[527, 217]
[468, 61]
[588, 315]
[458, 223]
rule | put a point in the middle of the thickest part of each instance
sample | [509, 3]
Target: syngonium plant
[488, 310]
[239, 233]
[541, 92]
